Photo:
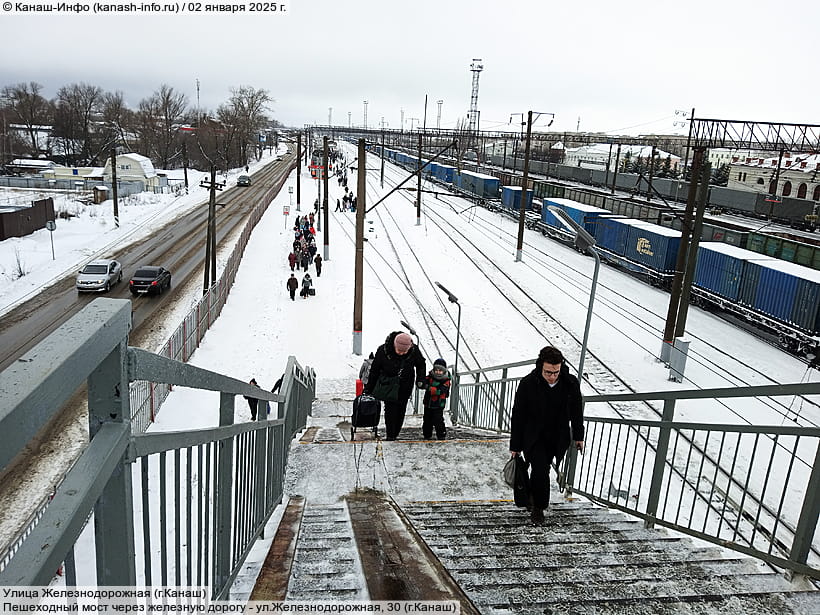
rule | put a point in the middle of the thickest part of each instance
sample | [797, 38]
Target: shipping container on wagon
[432, 169]
[720, 268]
[650, 245]
[480, 184]
[789, 293]
[445, 173]
[585, 215]
[511, 197]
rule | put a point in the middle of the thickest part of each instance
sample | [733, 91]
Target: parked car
[99, 276]
[150, 280]
[243, 180]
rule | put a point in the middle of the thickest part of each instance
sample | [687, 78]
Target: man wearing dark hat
[547, 402]
[397, 364]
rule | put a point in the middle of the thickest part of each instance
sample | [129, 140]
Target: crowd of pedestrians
[303, 254]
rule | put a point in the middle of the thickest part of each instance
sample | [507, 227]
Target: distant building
[135, 167]
[799, 175]
[599, 155]
[25, 165]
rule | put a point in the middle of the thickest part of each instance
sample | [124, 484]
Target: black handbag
[521, 482]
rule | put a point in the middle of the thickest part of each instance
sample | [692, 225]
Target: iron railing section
[148, 526]
[755, 489]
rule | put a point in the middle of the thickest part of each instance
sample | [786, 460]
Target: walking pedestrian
[338, 205]
[547, 402]
[292, 260]
[305, 260]
[437, 384]
[306, 284]
[396, 365]
[318, 262]
[292, 284]
[253, 403]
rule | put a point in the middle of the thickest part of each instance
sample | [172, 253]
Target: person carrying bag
[397, 364]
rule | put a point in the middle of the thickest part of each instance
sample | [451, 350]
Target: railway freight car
[511, 197]
[479, 184]
[780, 297]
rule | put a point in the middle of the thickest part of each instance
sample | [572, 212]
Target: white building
[799, 175]
[598, 155]
[135, 167]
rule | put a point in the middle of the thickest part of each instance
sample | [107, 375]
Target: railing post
[807, 524]
[224, 497]
[476, 391]
[660, 462]
[109, 402]
[502, 400]
[454, 400]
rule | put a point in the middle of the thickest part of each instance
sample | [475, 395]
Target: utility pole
[358, 284]
[349, 120]
[680, 263]
[520, 246]
[438, 117]
[382, 172]
[210, 241]
[298, 169]
[325, 209]
[418, 189]
[185, 162]
[114, 187]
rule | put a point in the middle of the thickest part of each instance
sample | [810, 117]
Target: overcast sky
[598, 65]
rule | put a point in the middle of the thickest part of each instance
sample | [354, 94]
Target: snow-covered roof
[33, 164]
[808, 163]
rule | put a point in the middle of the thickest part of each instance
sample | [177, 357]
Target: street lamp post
[585, 243]
[290, 194]
[454, 397]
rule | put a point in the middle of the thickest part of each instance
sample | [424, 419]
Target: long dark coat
[543, 414]
[411, 365]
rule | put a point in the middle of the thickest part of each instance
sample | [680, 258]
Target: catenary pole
[358, 283]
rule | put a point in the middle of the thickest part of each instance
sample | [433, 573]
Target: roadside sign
[51, 225]
[286, 210]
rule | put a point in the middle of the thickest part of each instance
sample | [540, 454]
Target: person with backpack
[292, 284]
[437, 385]
[397, 364]
[547, 403]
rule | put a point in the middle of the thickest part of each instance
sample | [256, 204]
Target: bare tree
[78, 106]
[248, 109]
[29, 108]
[158, 120]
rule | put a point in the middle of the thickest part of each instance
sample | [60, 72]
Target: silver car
[99, 276]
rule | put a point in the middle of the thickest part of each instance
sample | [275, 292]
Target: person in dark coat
[305, 260]
[318, 262]
[547, 402]
[292, 260]
[293, 285]
[253, 403]
[437, 384]
[397, 364]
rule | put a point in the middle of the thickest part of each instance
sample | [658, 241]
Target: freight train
[779, 297]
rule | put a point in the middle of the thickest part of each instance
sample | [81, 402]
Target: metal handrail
[753, 489]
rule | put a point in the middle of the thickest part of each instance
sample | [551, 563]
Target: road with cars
[179, 246]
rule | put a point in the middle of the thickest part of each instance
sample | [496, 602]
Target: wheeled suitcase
[367, 412]
[311, 291]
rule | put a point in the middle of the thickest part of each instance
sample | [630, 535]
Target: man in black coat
[547, 401]
[396, 366]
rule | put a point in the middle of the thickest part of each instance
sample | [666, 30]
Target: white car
[99, 276]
